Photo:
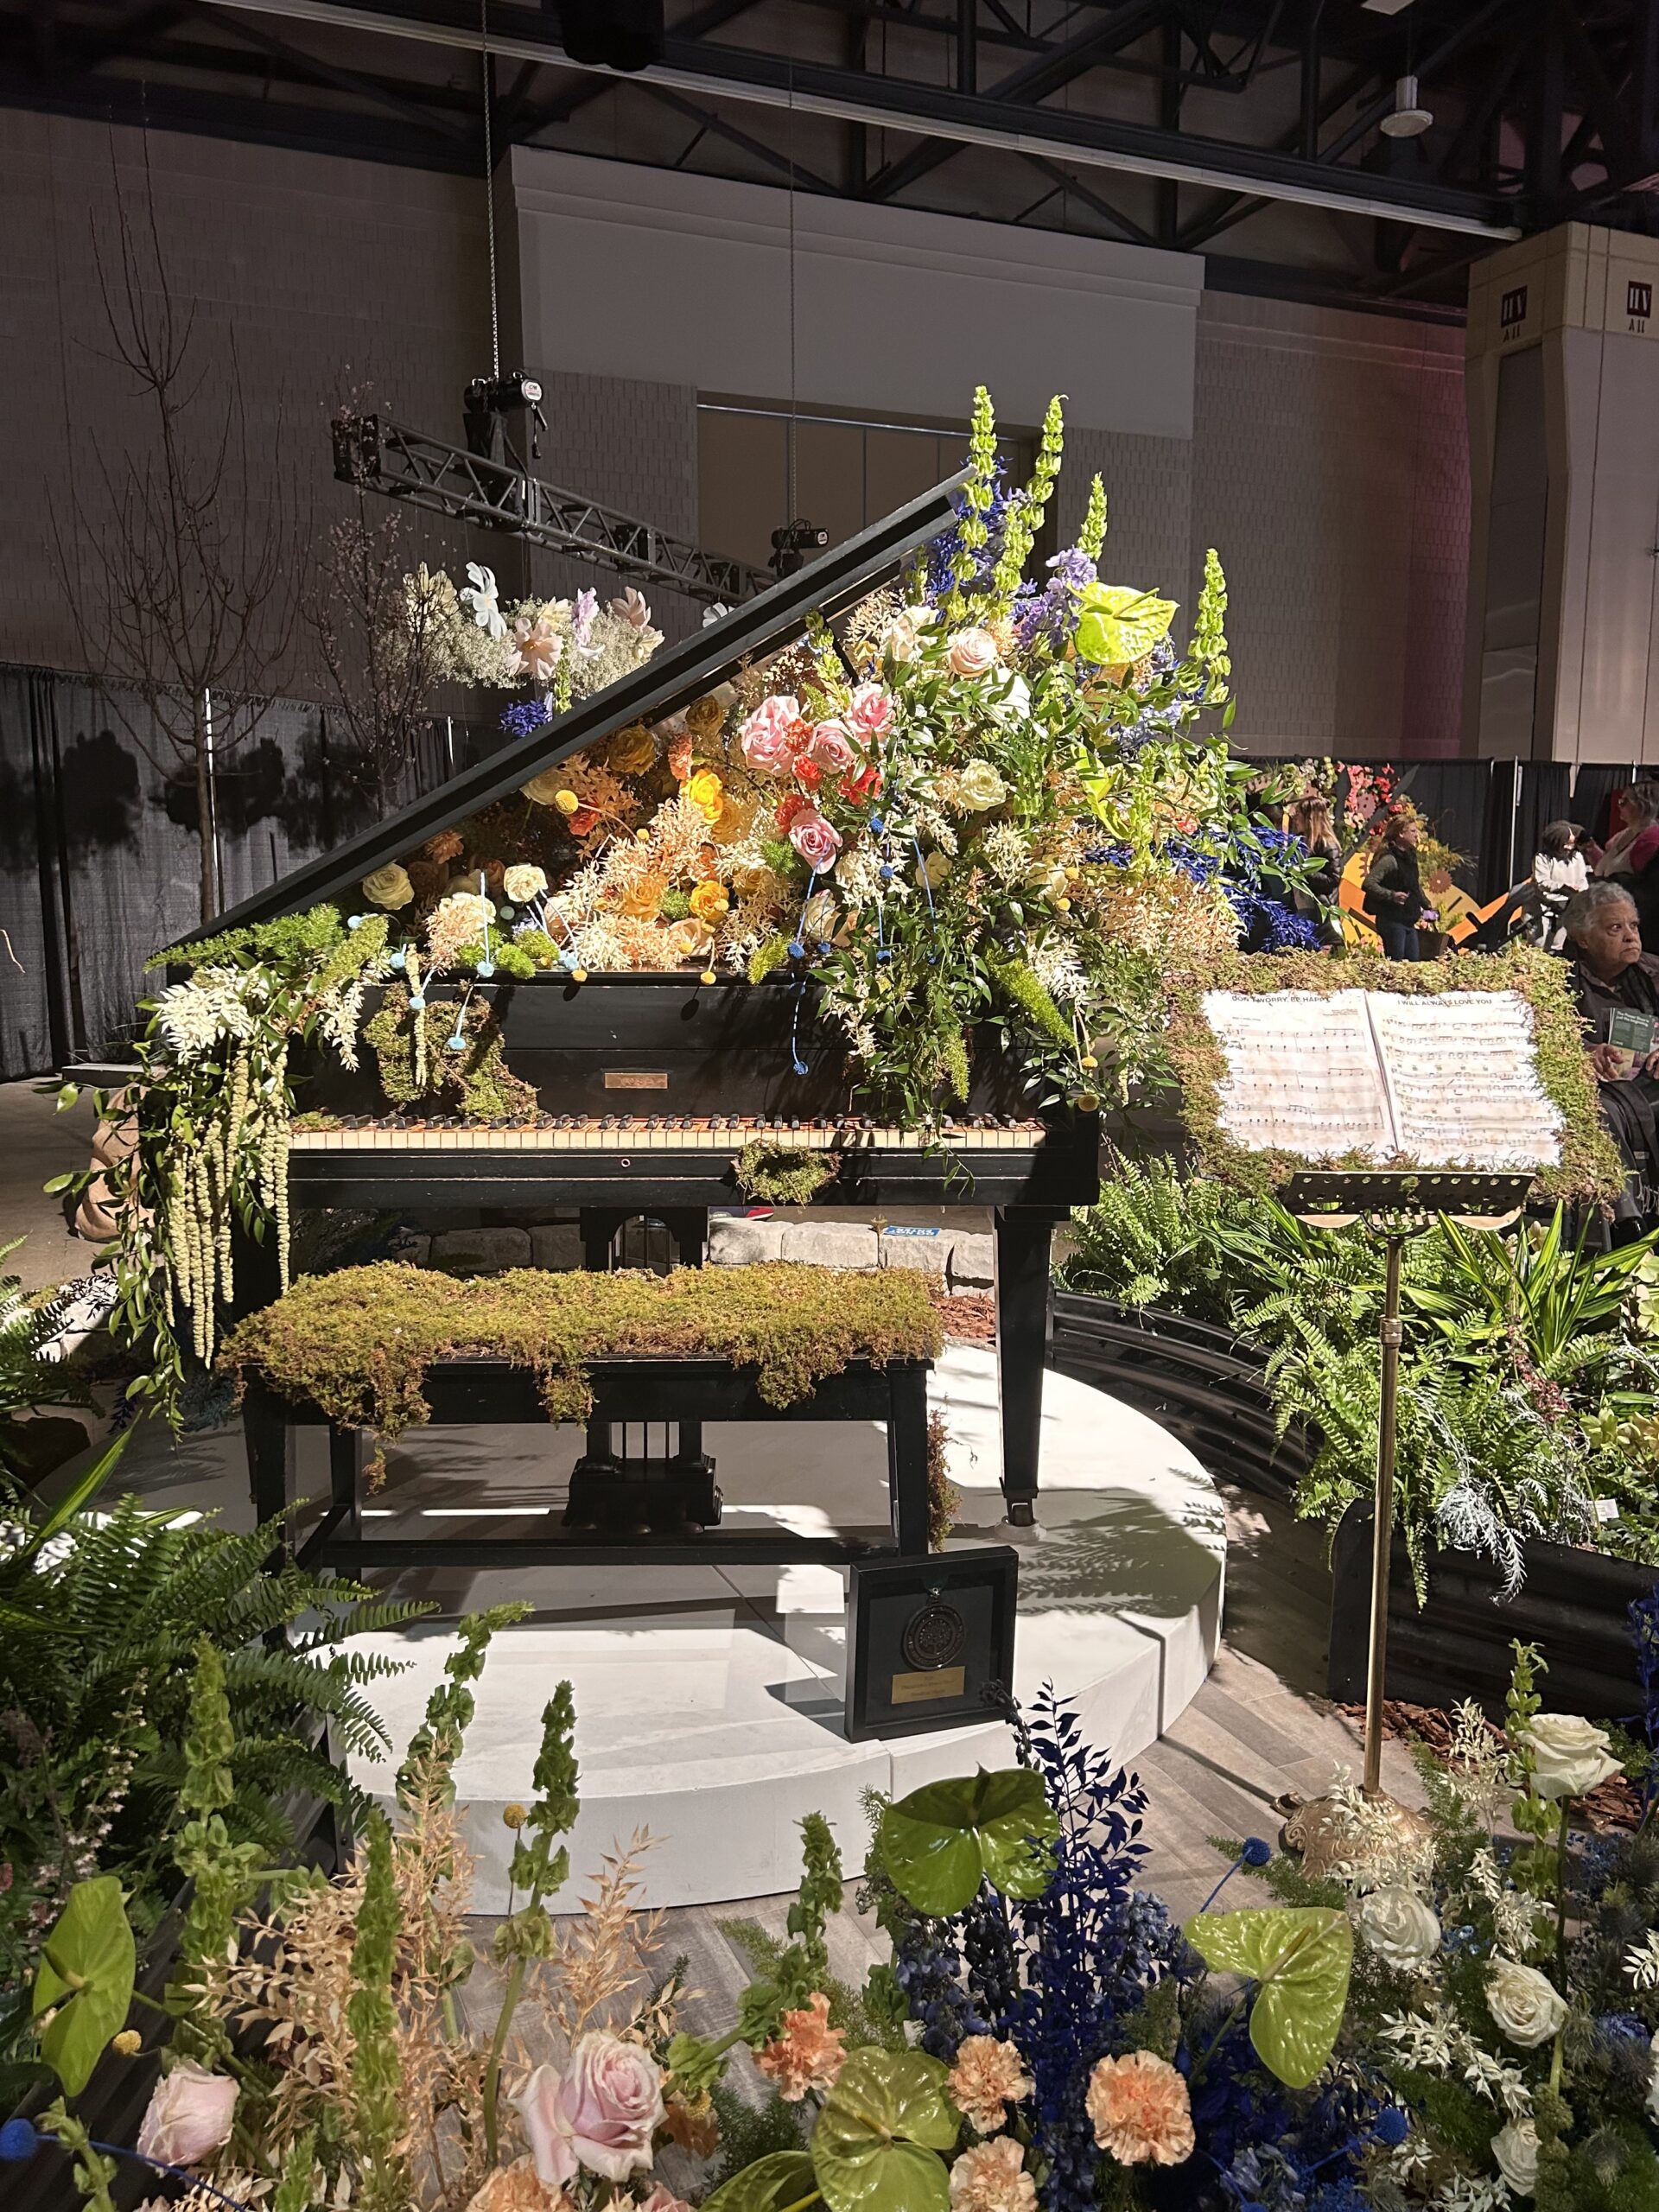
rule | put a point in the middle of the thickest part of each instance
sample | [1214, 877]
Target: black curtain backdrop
[98, 858]
[98, 855]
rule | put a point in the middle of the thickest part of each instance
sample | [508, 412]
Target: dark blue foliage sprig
[524, 716]
[1643, 1619]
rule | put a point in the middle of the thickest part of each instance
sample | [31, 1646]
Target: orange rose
[710, 901]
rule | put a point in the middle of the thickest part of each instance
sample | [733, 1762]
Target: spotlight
[611, 34]
[487, 402]
[1410, 118]
[793, 545]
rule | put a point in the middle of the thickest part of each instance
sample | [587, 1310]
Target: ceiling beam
[306, 65]
[934, 111]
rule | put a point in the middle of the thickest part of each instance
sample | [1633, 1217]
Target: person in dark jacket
[1394, 892]
[1610, 973]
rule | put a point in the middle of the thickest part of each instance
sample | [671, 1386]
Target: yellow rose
[704, 716]
[709, 901]
[631, 750]
[389, 886]
[705, 793]
[543, 789]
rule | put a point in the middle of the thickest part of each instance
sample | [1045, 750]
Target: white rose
[524, 883]
[1525, 2003]
[1398, 1927]
[388, 886]
[1516, 2150]
[1569, 1755]
[981, 786]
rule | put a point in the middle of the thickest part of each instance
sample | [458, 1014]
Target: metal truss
[1162, 122]
[422, 472]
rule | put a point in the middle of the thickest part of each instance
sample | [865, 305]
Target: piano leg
[266, 1428]
[907, 1459]
[1023, 1235]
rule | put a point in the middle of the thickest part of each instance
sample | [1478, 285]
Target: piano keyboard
[637, 1133]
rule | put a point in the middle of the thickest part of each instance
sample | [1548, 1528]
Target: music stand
[1395, 1204]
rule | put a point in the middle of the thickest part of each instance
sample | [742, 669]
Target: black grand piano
[649, 1086]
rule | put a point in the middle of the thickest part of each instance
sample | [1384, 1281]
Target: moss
[944, 1499]
[357, 1342]
[1589, 1167]
[477, 1077]
[782, 1175]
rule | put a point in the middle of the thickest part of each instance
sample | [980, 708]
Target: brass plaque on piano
[924, 1688]
[636, 1079]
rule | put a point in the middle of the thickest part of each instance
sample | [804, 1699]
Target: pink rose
[770, 737]
[188, 2117]
[612, 2097]
[547, 2130]
[869, 713]
[831, 749]
[972, 653]
[814, 840]
[663, 2199]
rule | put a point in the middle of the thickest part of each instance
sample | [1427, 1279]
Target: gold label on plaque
[636, 1079]
[925, 1690]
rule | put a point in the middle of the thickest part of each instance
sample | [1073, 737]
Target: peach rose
[972, 653]
[869, 713]
[830, 748]
[815, 840]
[189, 2116]
[612, 2097]
[769, 739]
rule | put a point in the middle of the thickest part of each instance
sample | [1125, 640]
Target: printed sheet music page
[1447, 1080]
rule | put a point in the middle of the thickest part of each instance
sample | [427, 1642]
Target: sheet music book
[1447, 1080]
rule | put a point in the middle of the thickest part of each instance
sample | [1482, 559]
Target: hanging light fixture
[1410, 117]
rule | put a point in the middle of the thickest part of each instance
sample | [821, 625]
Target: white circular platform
[708, 1700]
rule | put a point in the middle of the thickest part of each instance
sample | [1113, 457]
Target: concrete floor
[37, 1142]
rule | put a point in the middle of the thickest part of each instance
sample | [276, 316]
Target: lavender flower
[526, 715]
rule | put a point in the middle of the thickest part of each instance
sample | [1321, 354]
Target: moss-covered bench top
[357, 1343]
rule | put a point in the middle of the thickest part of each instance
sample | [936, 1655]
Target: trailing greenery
[122, 1636]
[1590, 1167]
[357, 1343]
[781, 1174]
[27, 1382]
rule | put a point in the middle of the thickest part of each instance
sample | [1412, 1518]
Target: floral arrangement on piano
[985, 800]
[1441, 2018]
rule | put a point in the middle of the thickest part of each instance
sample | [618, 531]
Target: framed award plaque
[925, 1639]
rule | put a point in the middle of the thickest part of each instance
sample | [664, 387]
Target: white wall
[627, 271]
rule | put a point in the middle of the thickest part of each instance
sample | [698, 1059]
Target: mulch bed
[970, 1316]
[1615, 1804]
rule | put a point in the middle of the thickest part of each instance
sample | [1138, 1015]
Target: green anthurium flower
[1119, 625]
[85, 1980]
[770, 2184]
[942, 1840]
[1300, 1957]
[877, 2143]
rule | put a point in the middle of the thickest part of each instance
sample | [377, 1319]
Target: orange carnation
[679, 757]
[808, 2053]
[1141, 2110]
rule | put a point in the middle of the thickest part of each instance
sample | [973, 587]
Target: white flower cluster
[1434, 2040]
[1057, 968]
[214, 1004]
[1641, 1961]
[1514, 1911]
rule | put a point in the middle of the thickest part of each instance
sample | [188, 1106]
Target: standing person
[1316, 896]
[1559, 869]
[1612, 974]
[1394, 889]
[1631, 848]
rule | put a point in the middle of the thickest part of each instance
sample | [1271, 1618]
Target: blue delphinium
[939, 578]
[1052, 612]
[526, 715]
[1644, 1635]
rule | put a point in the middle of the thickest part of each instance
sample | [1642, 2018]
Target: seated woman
[1612, 974]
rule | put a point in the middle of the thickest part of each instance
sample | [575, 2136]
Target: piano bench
[482, 1393]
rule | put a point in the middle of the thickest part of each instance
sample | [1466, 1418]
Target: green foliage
[436, 1746]
[27, 1382]
[782, 1175]
[771, 952]
[777, 2179]
[377, 2073]
[1091, 538]
[940, 1842]
[848, 2009]
[1120, 624]
[1152, 1240]
[85, 1980]
[877, 2143]
[357, 1342]
[291, 941]
[536, 1867]
[1299, 1960]
[1023, 990]
[117, 1723]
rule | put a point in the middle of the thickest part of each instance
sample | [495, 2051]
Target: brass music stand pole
[1383, 1528]
[1396, 1203]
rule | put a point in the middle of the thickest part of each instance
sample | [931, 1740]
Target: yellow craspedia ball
[708, 976]
[567, 802]
[578, 974]
[128, 2044]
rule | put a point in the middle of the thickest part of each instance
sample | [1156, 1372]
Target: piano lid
[672, 679]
